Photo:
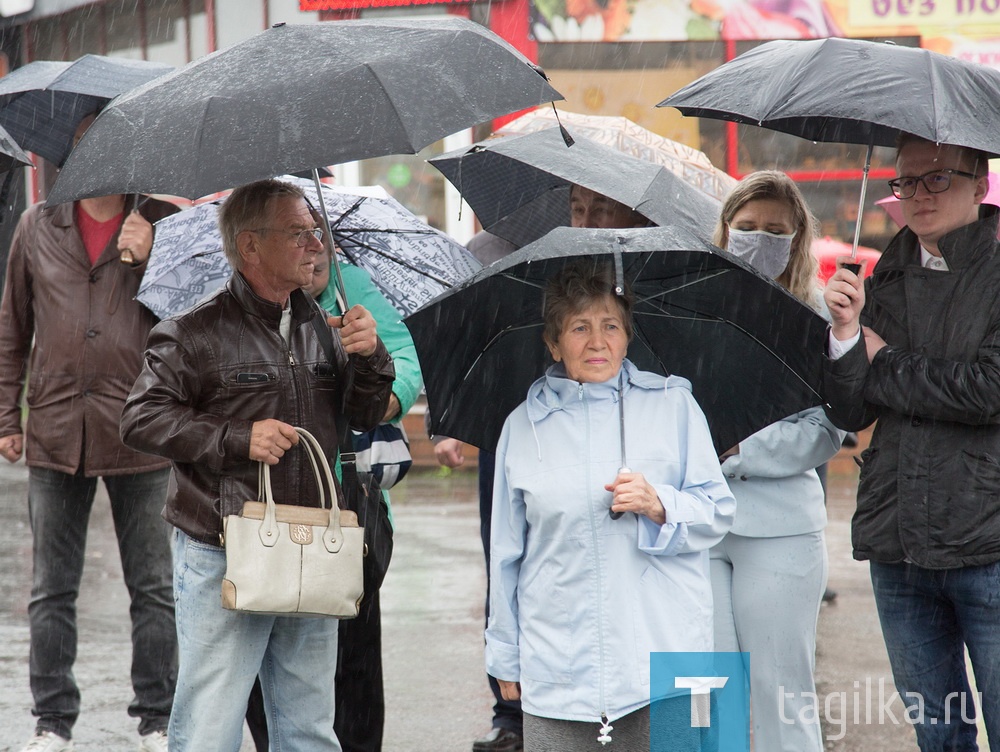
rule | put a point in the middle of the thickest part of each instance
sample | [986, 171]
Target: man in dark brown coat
[70, 325]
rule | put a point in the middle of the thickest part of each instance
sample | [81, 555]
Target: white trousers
[767, 594]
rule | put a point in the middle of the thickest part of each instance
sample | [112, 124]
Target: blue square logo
[699, 702]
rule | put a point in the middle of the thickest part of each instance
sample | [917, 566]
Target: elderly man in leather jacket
[221, 388]
[918, 347]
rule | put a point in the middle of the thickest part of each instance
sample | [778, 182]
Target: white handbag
[294, 560]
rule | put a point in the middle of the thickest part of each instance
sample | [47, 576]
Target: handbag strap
[333, 537]
[348, 459]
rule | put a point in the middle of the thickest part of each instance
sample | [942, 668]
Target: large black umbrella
[518, 186]
[852, 91]
[43, 102]
[752, 351]
[296, 97]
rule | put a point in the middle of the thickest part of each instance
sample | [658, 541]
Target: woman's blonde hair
[799, 277]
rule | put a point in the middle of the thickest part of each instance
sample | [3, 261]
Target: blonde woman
[769, 572]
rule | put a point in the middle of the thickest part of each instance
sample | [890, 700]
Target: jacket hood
[555, 390]
[959, 247]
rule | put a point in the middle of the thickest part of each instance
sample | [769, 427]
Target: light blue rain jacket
[578, 600]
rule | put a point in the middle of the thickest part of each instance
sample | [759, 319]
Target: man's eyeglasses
[935, 181]
[301, 236]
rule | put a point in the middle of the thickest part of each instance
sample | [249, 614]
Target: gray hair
[249, 208]
[578, 285]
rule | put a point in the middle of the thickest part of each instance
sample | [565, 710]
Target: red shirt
[96, 235]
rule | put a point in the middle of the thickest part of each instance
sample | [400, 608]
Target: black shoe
[499, 740]
[829, 596]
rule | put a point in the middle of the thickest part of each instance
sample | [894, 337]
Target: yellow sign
[633, 94]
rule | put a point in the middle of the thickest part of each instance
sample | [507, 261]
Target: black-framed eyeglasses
[301, 236]
[935, 181]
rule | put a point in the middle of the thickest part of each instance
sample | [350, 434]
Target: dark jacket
[89, 333]
[212, 371]
[929, 489]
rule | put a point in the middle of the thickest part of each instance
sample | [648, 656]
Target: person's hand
[12, 446]
[270, 439]
[731, 452]
[393, 409]
[510, 691]
[845, 297]
[873, 342]
[136, 237]
[357, 331]
[448, 452]
[633, 493]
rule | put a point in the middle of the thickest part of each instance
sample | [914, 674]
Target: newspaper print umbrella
[43, 102]
[409, 261]
[631, 138]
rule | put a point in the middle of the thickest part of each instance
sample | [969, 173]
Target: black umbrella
[852, 91]
[296, 97]
[752, 351]
[43, 102]
[518, 186]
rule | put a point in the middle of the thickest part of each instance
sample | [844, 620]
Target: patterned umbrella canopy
[631, 138]
[409, 261]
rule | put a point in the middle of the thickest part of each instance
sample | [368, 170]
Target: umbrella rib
[698, 316]
[402, 262]
[493, 340]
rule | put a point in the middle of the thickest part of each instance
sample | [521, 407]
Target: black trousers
[360, 715]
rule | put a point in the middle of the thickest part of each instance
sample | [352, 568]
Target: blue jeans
[222, 652]
[927, 617]
[59, 508]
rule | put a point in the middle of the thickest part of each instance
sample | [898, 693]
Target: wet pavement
[436, 693]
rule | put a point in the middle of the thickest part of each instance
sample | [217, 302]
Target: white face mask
[764, 251]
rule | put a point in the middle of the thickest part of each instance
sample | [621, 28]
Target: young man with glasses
[917, 347]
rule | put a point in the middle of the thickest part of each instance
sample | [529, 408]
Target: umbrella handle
[126, 256]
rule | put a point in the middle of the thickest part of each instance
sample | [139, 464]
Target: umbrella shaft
[334, 263]
[861, 202]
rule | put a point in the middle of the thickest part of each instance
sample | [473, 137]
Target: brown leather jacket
[214, 370]
[89, 333]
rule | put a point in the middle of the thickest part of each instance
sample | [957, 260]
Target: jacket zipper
[597, 564]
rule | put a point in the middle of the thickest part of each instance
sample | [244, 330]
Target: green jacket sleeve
[391, 330]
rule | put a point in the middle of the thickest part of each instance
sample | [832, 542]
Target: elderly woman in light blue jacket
[769, 572]
[580, 599]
